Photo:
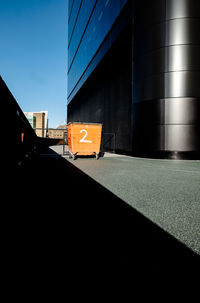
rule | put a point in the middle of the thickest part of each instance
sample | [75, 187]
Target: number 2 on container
[83, 139]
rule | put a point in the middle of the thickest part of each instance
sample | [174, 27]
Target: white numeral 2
[83, 139]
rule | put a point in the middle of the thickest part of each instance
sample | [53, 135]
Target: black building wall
[146, 89]
[166, 76]
[106, 97]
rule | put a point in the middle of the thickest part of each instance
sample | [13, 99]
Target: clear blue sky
[33, 54]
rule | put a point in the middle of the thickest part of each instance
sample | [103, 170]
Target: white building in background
[40, 122]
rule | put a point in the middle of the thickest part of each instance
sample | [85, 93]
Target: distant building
[32, 120]
[57, 133]
[39, 121]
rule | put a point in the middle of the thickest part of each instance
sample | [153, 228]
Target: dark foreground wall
[19, 139]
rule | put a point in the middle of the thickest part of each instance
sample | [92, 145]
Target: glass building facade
[89, 22]
[134, 66]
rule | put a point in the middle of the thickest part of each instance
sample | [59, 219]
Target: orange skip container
[84, 138]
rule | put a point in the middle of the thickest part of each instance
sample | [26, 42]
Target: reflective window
[72, 19]
[102, 19]
[122, 2]
[70, 3]
[84, 14]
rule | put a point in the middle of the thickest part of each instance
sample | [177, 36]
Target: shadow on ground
[69, 236]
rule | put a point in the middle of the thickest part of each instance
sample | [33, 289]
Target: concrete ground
[67, 235]
[165, 191]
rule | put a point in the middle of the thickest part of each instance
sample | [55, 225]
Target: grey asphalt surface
[165, 191]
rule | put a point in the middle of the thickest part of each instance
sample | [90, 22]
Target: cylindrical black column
[167, 76]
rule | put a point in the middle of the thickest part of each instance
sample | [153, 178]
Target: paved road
[165, 191]
[67, 235]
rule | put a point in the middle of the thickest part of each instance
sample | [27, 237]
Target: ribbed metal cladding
[167, 76]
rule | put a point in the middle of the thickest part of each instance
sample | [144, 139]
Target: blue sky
[33, 54]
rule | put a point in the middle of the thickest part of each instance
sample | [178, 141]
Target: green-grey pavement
[165, 191]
